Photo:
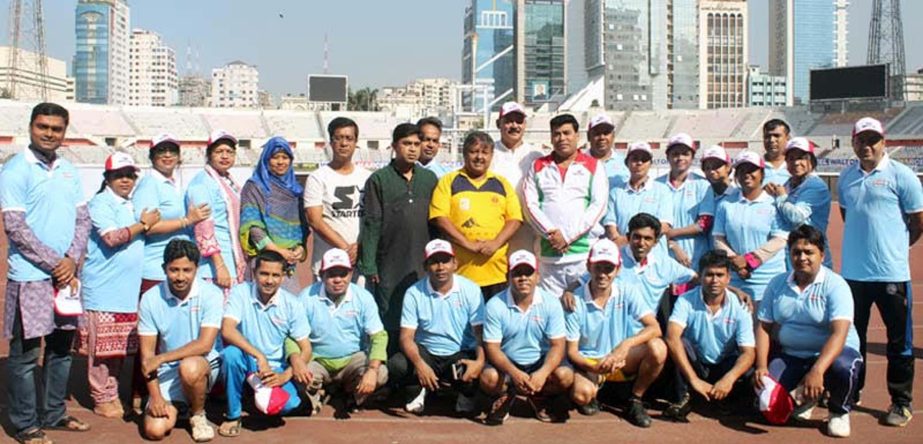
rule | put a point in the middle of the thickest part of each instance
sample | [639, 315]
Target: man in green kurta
[394, 227]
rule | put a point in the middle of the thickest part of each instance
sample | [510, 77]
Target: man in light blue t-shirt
[524, 342]
[710, 336]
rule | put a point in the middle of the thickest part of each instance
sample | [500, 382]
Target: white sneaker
[465, 404]
[803, 412]
[201, 430]
[838, 425]
[416, 406]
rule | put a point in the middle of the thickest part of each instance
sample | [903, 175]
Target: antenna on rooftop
[27, 32]
[326, 54]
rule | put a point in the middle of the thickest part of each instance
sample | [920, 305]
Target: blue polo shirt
[154, 191]
[267, 326]
[809, 203]
[338, 331]
[804, 317]
[204, 190]
[746, 225]
[443, 322]
[110, 273]
[600, 330]
[178, 322]
[437, 168]
[524, 336]
[625, 202]
[710, 207]
[687, 207]
[656, 275]
[714, 336]
[875, 235]
[777, 176]
[49, 197]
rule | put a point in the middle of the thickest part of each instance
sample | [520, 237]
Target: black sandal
[69, 424]
[32, 436]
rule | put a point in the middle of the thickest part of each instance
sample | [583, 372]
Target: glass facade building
[488, 54]
[544, 50]
[101, 58]
[805, 35]
[682, 47]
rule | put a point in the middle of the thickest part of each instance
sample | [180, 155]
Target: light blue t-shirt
[687, 207]
[875, 235]
[154, 191]
[267, 326]
[204, 190]
[655, 276]
[111, 275]
[437, 168]
[746, 225]
[443, 323]
[338, 331]
[600, 330]
[49, 198]
[625, 202]
[178, 322]
[717, 336]
[804, 317]
[777, 176]
[710, 207]
[809, 203]
[524, 336]
[615, 166]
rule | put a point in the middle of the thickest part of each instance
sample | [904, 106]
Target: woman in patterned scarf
[271, 215]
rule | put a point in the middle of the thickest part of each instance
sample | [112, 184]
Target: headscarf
[263, 176]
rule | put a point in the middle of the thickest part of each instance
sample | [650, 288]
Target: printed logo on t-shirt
[346, 204]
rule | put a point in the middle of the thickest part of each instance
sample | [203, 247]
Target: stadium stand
[909, 123]
[242, 124]
[185, 123]
[295, 125]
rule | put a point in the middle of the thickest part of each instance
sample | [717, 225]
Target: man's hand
[556, 239]
[64, 271]
[262, 367]
[721, 389]
[522, 382]
[680, 255]
[368, 382]
[472, 369]
[487, 248]
[813, 384]
[276, 379]
[157, 407]
[619, 356]
[150, 365]
[758, 377]
[375, 279]
[744, 299]
[537, 381]
[222, 276]
[568, 301]
[701, 387]
[427, 377]
[300, 372]
[353, 251]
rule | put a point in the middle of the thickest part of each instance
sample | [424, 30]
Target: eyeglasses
[344, 139]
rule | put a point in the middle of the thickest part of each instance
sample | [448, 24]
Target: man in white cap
[612, 335]
[524, 341]
[600, 136]
[639, 194]
[348, 341]
[686, 241]
[512, 159]
[564, 195]
[881, 202]
[441, 324]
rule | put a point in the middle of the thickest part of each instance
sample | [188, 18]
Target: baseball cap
[510, 108]
[164, 138]
[639, 146]
[522, 257]
[868, 124]
[335, 258]
[604, 250]
[269, 400]
[118, 160]
[751, 158]
[681, 139]
[775, 402]
[220, 134]
[437, 246]
[716, 152]
[601, 120]
[801, 144]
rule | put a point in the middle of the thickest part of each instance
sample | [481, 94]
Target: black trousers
[894, 302]
[401, 372]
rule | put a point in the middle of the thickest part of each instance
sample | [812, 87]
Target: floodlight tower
[886, 42]
[27, 32]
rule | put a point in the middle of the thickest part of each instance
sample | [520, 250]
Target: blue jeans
[841, 379]
[21, 366]
[236, 365]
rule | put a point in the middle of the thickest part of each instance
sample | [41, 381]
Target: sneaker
[500, 409]
[804, 411]
[679, 411]
[637, 414]
[201, 430]
[590, 409]
[416, 405]
[838, 425]
[540, 406]
[898, 416]
[465, 404]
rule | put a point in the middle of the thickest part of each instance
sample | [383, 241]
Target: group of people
[522, 275]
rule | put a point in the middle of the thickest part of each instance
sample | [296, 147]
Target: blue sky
[375, 42]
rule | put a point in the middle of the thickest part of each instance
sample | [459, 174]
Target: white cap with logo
[600, 121]
[163, 138]
[335, 258]
[511, 108]
[868, 124]
[751, 158]
[800, 144]
[716, 152]
[681, 139]
[522, 257]
[640, 146]
[604, 250]
[119, 160]
[437, 246]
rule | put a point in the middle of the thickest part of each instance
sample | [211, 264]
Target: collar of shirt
[819, 278]
[432, 291]
[724, 304]
[254, 292]
[882, 166]
[193, 292]
[645, 185]
[690, 176]
[118, 199]
[763, 197]
[161, 178]
[588, 295]
[628, 259]
[32, 158]
[536, 300]
[331, 304]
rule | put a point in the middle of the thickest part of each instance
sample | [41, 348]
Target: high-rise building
[194, 91]
[541, 24]
[683, 54]
[489, 53]
[723, 53]
[805, 35]
[421, 97]
[236, 85]
[153, 80]
[765, 89]
[101, 61]
[28, 81]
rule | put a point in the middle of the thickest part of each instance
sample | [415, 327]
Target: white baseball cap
[600, 120]
[522, 257]
[119, 160]
[221, 134]
[164, 138]
[801, 144]
[868, 124]
[639, 146]
[510, 108]
[751, 158]
[681, 139]
[335, 258]
[716, 152]
[437, 246]
[604, 250]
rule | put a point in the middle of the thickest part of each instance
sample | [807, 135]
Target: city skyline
[380, 47]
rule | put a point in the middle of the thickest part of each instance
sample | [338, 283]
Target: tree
[365, 99]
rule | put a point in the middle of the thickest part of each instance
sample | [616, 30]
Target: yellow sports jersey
[479, 209]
